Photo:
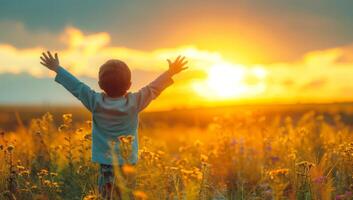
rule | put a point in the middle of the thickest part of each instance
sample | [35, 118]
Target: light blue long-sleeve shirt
[113, 117]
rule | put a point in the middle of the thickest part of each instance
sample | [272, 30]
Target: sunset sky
[240, 51]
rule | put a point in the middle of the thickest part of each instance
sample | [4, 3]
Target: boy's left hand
[49, 61]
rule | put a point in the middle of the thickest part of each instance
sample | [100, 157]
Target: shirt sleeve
[80, 90]
[146, 94]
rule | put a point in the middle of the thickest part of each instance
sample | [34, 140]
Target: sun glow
[231, 81]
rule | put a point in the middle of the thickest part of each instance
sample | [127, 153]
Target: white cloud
[321, 75]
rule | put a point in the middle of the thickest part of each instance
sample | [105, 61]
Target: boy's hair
[114, 78]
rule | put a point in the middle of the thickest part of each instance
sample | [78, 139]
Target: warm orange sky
[239, 53]
[319, 76]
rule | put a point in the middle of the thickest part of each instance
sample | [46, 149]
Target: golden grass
[255, 158]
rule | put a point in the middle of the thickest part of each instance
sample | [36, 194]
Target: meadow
[244, 152]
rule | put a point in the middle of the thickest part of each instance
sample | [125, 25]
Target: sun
[225, 80]
[230, 81]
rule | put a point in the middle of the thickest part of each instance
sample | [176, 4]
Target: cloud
[83, 54]
[319, 75]
[17, 34]
[315, 84]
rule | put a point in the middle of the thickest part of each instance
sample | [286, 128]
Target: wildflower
[146, 154]
[278, 173]
[46, 182]
[173, 168]
[186, 172]
[62, 127]
[87, 136]
[292, 156]
[55, 184]
[274, 159]
[126, 139]
[125, 146]
[89, 123]
[20, 168]
[198, 175]
[43, 172]
[182, 162]
[139, 195]
[24, 173]
[160, 153]
[128, 169]
[306, 164]
[59, 147]
[53, 174]
[348, 194]
[319, 180]
[203, 158]
[67, 118]
[81, 169]
[197, 143]
[130, 138]
[10, 148]
[90, 197]
[79, 131]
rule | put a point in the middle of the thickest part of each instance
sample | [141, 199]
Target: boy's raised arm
[80, 90]
[145, 95]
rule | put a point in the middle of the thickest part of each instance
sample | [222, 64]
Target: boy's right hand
[177, 66]
[49, 61]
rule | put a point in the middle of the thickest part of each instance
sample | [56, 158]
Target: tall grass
[255, 158]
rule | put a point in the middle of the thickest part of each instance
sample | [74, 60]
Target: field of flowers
[253, 158]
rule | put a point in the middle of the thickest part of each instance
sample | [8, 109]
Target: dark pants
[107, 182]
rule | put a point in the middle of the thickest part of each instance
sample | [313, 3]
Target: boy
[114, 112]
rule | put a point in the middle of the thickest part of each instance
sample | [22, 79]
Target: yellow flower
[90, 197]
[204, 158]
[67, 118]
[277, 173]
[47, 182]
[24, 173]
[43, 172]
[139, 195]
[20, 168]
[53, 174]
[306, 164]
[126, 139]
[128, 169]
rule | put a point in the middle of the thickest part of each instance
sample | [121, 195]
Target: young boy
[114, 111]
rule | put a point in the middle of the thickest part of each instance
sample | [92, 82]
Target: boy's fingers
[44, 64]
[184, 68]
[43, 59]
[181, 60]
[177, 59]
[184, 63]
[50, 56]
[56, 56]
[45, 56]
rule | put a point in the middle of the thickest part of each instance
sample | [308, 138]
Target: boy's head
[114, 78]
